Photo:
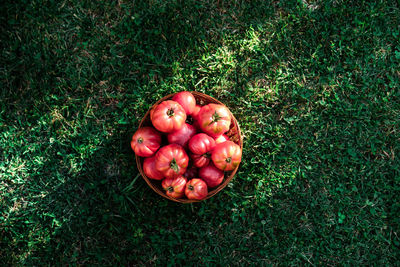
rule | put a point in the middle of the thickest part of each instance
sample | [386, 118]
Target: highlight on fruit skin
[221, 138]
[146, 141]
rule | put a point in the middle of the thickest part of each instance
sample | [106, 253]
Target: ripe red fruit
[211, 175]
[226, 156]
[222, 138]
[146, 141]
[174, 187]
[186, 100]
[214, 119]
[172, 160]
[196, 111]
[201, 146]
[182, 136]
[149, 168]
[194, 115]
[168, 116]
[196, 189]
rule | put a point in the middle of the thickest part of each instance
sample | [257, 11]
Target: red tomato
[186, 100]
[201, 146]
[200, 160]
[146, 141]
[168, 116]
[196, 189]
[214, 119]
[182, 136]
[190, 173]
[172, 160]
[174, 187]
[222, 138]
[195, 113]
[226, 156]
[201, 143]
[150, 170]
[211, 175]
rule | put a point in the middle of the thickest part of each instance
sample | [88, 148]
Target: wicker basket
[234, 135]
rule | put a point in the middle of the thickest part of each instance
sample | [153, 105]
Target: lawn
[313, 84]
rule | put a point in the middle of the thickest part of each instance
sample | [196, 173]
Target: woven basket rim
[153, 183]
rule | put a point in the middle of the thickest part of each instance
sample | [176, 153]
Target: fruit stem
[170, 112]
[174, 166]
[190, 187]
[170, 189]
[228, 160]
[216, 117]
[189, 120]
[140, 140]
[207, 155]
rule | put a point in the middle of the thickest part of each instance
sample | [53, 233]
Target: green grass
[314, 85]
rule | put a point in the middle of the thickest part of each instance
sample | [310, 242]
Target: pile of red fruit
[197, 154]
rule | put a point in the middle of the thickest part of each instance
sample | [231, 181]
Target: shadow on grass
[107, 214]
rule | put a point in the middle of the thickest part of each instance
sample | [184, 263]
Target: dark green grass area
[314, 85]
